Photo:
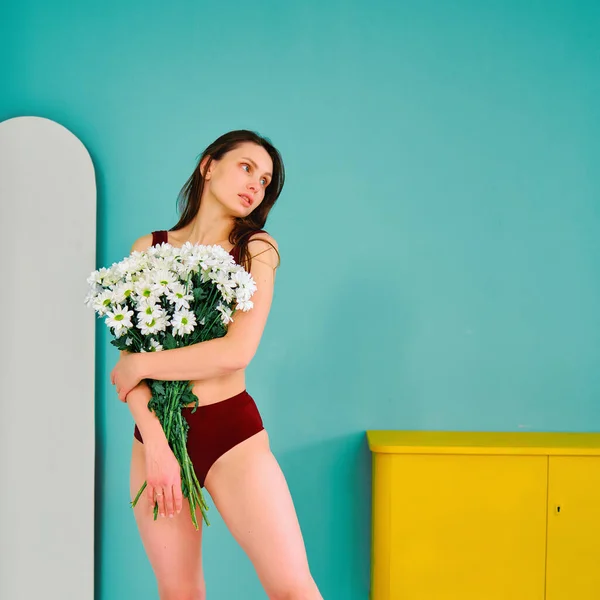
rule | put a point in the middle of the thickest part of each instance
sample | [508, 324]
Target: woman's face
[239, 179]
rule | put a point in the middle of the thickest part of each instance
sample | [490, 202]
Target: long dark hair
[188, 201]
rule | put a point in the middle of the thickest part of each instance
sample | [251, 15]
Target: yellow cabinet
[573, 528]
[485, 516]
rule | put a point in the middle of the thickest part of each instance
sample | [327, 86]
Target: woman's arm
[236, 349]
[147, 421]
[162, 468]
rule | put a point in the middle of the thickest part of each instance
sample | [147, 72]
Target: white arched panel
[48, 229]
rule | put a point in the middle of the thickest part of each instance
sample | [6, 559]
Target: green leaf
[157, 387]
[199, 293]
[121, 343]
[170, 342]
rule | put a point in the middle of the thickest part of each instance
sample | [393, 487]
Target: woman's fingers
[169, 501]
[160, 499]
[156, 495]
[178, 497]
[164, 479]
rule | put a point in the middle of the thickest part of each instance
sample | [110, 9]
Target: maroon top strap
[235, 252]
[159, 237]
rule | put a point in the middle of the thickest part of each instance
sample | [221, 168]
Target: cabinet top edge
[483, 442]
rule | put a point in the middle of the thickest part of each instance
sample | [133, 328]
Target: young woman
[226, 201]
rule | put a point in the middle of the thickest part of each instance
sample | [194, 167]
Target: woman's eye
[245, 167]
[263, 181]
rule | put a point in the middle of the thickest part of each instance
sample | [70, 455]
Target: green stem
[193, 486]
[188, 478]
[135, 500]
[173, 422]
[174, 391]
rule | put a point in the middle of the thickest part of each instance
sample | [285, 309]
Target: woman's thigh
[251, 494]
[173, 545]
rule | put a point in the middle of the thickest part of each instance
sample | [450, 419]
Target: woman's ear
[206, 167]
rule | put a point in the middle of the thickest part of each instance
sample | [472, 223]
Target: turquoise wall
[439, 229]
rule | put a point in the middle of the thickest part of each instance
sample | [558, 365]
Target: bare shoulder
[262, 239]
[263, 247]
[142, 243]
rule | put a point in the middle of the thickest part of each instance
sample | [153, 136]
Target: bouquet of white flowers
[164, 298]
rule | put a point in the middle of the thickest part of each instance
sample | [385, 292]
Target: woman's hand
[126, 375]
[163, 477]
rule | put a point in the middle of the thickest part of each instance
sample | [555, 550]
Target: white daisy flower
[226, 313]
[150, 319]
[181, 269]
[163, 279]
[163, 322]
[244, 305]
[223, 281]
[145, 302]
[244, 280]
[228, 296]
[155, 346]
[97, 276]
[191, 257]
[164, 251]
[223, 255]
[146, 289]
[184, 322]
[211, 261]
[179, 296]
[137, 262]
[149, 326]
[120, 319]
[122, 291]
[102, 302]
[111, 277]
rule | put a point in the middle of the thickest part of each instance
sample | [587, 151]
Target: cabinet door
[573, 570]
[468, 527]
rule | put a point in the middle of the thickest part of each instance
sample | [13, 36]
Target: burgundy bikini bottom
[216, 428]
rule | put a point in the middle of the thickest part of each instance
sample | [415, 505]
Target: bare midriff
[216, 389]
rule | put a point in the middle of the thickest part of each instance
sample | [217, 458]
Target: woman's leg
[250, 492]
[173, 545]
